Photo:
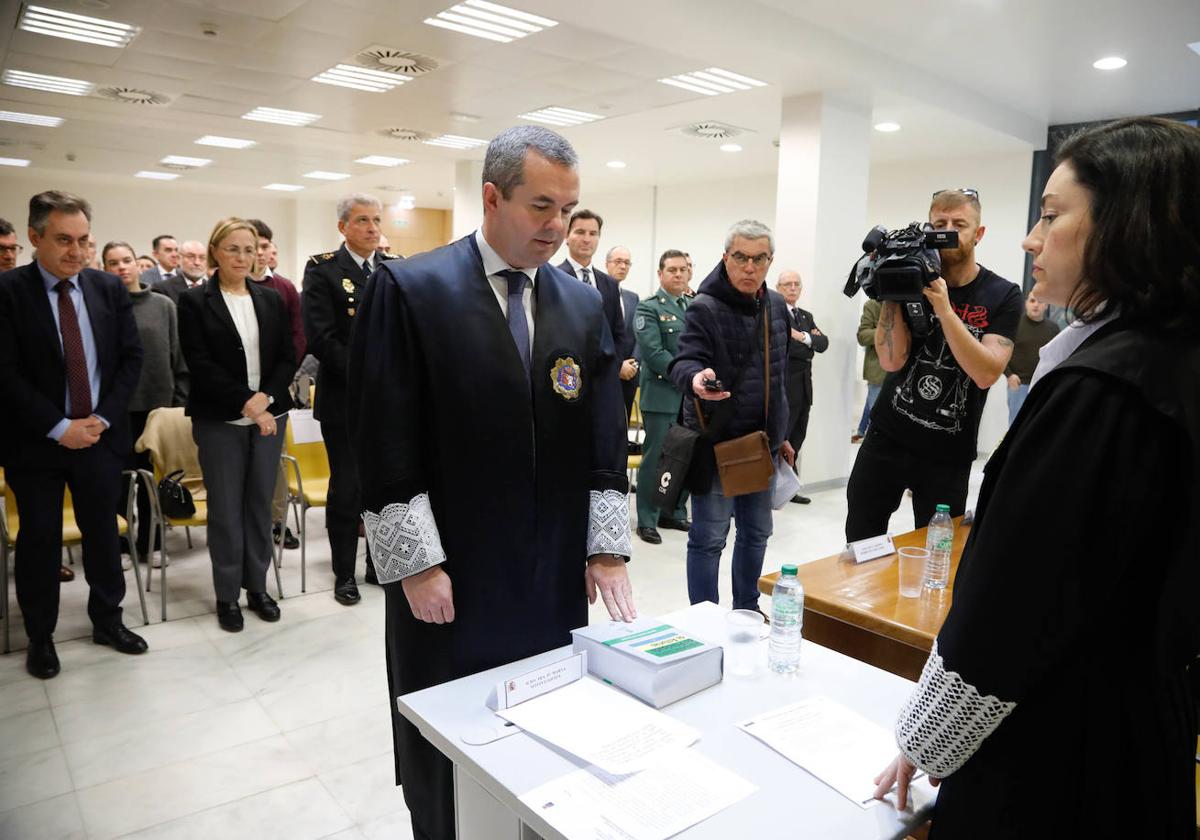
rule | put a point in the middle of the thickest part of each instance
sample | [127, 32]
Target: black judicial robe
[439, 403]
[1077, 599]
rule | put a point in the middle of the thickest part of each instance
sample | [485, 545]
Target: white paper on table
[680, 791]
[837, 745]
[602, 726]
[305, 429]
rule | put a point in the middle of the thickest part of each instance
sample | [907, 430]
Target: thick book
[650, 659]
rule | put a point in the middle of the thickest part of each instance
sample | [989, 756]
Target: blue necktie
[517, 324]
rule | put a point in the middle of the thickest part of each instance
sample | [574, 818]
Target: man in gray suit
[166, 255]
[616, 264]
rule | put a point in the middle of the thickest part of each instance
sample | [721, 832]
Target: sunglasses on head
[969, 192]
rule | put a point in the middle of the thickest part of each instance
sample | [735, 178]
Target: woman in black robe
[1056, 700]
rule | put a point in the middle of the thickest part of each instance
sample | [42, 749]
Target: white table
[789, 802]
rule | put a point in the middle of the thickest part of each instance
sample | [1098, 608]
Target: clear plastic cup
[743, 650]
[912, 570]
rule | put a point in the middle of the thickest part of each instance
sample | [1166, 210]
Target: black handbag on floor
[174, 498]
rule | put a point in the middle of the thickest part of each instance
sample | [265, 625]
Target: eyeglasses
[11, 249]
[621, 262]
[759, 260]
[233, 251]
[969, 192]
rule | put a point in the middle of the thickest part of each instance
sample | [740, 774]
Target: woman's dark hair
[1143, 254]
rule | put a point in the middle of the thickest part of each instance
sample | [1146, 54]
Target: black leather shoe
[120, 638]
[263, 604]
[345, 591]
[289, 539]
[800, 500]
[370, 577]
[229, 616]
[40, 659]
[674, 524]
[649, 535]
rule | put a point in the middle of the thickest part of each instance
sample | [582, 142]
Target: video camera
[898, 264]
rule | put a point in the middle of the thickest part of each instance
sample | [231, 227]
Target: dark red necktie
[78, 386]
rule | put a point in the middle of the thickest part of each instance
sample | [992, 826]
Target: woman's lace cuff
[946, 719]
[608, 523]
[403, 539]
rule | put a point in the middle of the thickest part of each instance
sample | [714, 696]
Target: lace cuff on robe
[608, 523]
[404, 539]
[946, 719]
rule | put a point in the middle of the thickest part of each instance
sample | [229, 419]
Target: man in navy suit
[583, 238]
[617, 263]
[70, 358]
[480, 368]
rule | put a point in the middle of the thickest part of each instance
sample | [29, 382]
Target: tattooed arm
[892, 337]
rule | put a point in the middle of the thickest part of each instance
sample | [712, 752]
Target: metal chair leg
[131, 537]
[303, 547]
[278, 553]
[188, 531]
[4, 581]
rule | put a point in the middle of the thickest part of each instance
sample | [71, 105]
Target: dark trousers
[884, 470]
[138, 461]
[656, 424]
[240, 467]
[629, 389]
[94, 478]
[343, 507]
[797, 421]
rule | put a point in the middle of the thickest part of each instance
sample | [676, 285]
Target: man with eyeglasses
[925, 422]
[807, 339]
[617, 263]
[10, 249]
[723, 340]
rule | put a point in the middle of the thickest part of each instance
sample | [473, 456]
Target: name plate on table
[871, 548]
[535, 683]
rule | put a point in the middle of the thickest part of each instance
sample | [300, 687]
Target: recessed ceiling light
[281, 117]
[381, 160]
[30, 119]
[554, 115]
[887, 127]
[407, 202]
[182, 160]
[224, 142]
[455, 141]
[322, 175]
[1195, 47]
[51, 84]
[283, 187]
[730, 147]
[87, 30]
[1111, 62]
[13, 162]
[615, 164]
[156, 176]
[712, 82]
[360, 78]
[490, 20]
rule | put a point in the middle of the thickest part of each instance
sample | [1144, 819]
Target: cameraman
[925, 422]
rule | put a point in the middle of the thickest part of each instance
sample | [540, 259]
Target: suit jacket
[152, 276]
[799, 370]
[610, 293]
[627, 349]
[213, 351]
[33, 384]
[172, 287]
[333, 288]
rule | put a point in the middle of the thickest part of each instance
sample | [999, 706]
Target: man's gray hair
[504, 163]
[347, 204]
[51, 201]
[614, 249]
[750, 229]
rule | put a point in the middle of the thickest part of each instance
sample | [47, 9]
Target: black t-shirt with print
[931, 406]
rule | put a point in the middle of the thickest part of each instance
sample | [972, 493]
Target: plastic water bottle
[787, 615]
[939, 540]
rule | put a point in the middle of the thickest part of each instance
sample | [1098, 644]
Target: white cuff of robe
[946, 719]
[404, 539]
[608, 523]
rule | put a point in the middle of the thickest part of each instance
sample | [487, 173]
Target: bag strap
[767, 362]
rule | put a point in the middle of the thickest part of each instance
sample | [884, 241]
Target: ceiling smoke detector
[133, 96]
[396, 61]
[411, 135]
[712, 130]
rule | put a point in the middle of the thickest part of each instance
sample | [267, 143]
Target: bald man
[807, 339]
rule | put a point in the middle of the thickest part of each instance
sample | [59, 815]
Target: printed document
[602, 726]
[680, 791]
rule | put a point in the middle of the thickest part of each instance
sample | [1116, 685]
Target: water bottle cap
[943, 508]
[788, 571]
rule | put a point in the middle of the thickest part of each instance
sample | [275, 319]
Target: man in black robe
[479, 370]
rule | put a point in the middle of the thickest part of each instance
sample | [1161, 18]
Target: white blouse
[241, 309]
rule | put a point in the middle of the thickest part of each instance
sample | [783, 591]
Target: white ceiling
[963, 78]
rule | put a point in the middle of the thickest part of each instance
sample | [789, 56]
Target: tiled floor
[279, 731]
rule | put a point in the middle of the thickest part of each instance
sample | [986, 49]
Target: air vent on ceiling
[133, 96]
[408, 134]
[389, 188]
[712, 130]
[396, 61]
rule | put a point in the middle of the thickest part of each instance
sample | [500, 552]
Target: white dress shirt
[360, 260]
[578, 269]
[241, 309]
[493, 264]
[1057, 349]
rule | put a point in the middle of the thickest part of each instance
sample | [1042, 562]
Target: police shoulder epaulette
[320, 258]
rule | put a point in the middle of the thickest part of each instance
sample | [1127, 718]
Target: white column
[468, 197]
[820, 221]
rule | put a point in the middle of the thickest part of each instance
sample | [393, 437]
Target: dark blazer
[33, 383]
[213, 351]
[610, 293]
[627, 349]
[172, 287]
[799, 369]
[333, 288]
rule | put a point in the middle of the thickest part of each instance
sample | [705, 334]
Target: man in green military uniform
[658, 323]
